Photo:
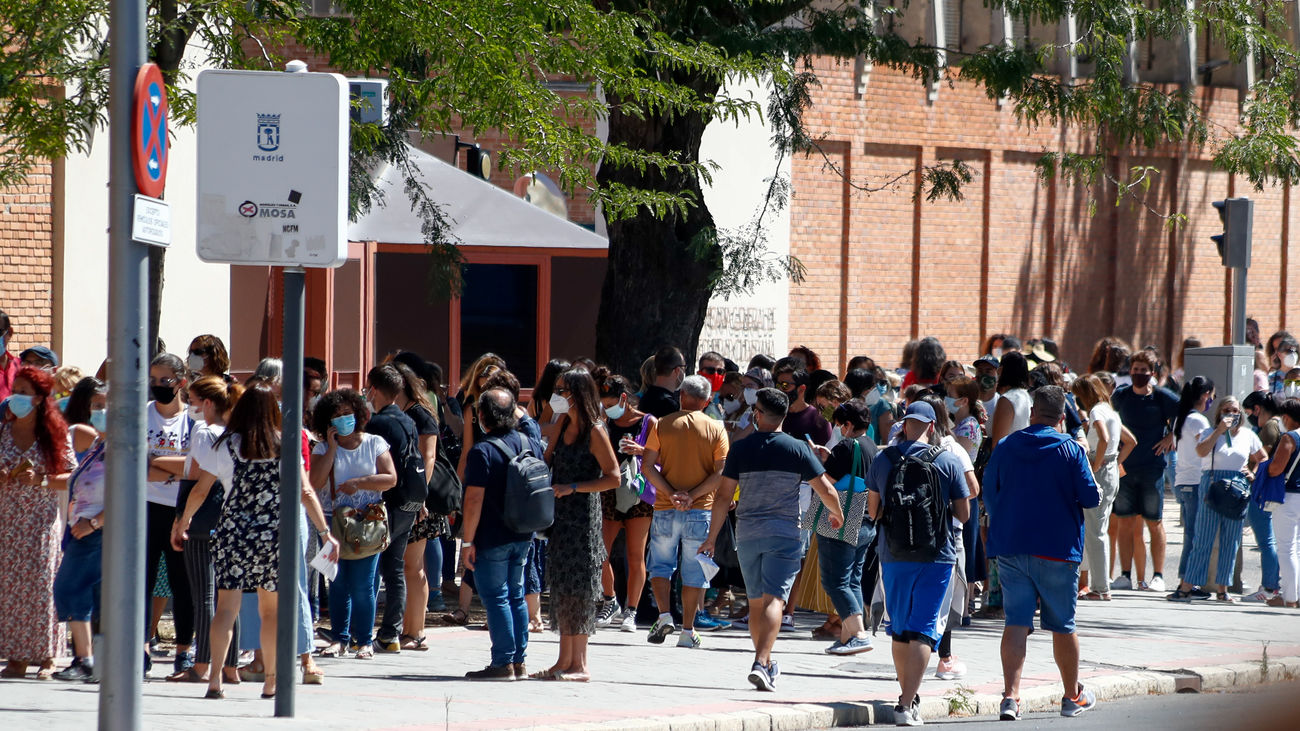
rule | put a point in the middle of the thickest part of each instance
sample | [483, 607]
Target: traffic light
[1237, 215]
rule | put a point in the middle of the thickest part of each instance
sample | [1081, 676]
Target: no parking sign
[149, 131]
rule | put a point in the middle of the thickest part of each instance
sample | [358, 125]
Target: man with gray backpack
[916, 490]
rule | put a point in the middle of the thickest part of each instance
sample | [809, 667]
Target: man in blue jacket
[1036, 486]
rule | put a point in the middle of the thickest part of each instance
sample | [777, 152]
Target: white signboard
[273, 167]
[151, 221]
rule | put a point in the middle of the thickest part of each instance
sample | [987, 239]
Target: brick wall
[1017, 254]
[26, 258]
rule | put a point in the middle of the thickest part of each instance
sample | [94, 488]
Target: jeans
[500, 582]
[433, 564]
[1189, 505]
[1208, 523]
[840, 565]
[1096, 525]
[392, 567]
[352, 601]
[674, 530]
[76, 586]
[535, 567]
[1261, 524]
[1286, 521]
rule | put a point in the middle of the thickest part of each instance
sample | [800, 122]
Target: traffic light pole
[1239, 305]
[1234, 244]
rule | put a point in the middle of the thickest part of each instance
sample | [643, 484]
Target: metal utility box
[1231, 367]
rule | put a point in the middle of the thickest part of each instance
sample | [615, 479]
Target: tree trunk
[657, 288]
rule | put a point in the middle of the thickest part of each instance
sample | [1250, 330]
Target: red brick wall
[26, 258]
[1017, 254]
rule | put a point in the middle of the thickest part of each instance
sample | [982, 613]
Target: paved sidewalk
[1134, 645]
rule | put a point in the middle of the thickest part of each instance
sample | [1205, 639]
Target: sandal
[215, 694]
[535, 625]
[333, 649]
[366, 652]
[1223, 597]
[188, 675]
[458, 618]
[312, 675]
[414, 643]
[1095, 596]
[547, 675]
[270, 680]
[45, 673]
[574, 677]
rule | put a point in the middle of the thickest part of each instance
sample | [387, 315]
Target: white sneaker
[787, 623]
[689, 638]
[1122, 583]
[1157, 583]
[950, 669]
[1259, 597]
[629, 621]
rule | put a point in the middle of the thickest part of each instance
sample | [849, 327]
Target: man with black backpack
[917, 489]
[403, 500]
[1036, 485]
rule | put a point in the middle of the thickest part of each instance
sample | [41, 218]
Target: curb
[797, 717]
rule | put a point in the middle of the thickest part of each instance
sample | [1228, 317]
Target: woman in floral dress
[35, 459]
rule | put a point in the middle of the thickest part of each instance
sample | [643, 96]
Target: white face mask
[311, 402]
[194, 362]
[731, 406]
[1290, 359]
[872, 397]
[559, 404]
[997, 353]
[751, 396]
[196, 413]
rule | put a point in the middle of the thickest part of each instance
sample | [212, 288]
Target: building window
[498, 313]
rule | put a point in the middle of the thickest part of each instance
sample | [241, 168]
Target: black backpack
[530, 497]
[916, 510]
[412, 484]
[446, 496]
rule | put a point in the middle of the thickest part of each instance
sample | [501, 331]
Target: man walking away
[768, 467]
[1036, 486]
[917, 488]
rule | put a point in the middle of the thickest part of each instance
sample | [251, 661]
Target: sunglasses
[784, 385]
[163, 381]
[561, 391]
[712, 371]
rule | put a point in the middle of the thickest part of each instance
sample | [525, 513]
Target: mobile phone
[22, 466]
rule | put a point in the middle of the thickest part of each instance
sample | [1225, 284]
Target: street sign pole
[121, 665]
[291, 551]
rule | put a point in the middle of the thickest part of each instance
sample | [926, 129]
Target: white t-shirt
[201, 441]
[991, 405]
[1244, 443]
[166, 438]
[1189, 467]
[349, 464]
[1102, 413]
[1020, 404]
[951, 444]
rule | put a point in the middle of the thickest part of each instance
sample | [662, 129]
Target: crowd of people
[677, 501]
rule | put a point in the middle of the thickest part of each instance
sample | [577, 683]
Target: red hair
[51, 429]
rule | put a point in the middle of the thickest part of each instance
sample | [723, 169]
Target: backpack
[412, 484]
[446, 496]
[916, 509]
[529, 497]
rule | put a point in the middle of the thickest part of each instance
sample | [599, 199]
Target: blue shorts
[674, 533]
[916, 597]
[1030, 583]
[769, 565]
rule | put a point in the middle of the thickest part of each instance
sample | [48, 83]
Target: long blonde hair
[469, 382]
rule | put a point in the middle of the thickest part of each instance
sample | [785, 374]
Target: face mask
[730, 405]
[1140, 379]
[194, 362]
[63, 403]
[872, 397]
[196, 413]
[951, 404]
[715, 381]
[987, 382]
[827, 413]
[20, 405]
[997, 353]
[163, 394]
[614, 412]
[345, 424]
[1254, 421]
[676, 387]
[99, 420]
[751, 396]
[559, 404]
[311, 403]
[1290, 359]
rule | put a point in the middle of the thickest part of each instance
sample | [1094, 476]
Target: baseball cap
[920, 411]
[41, 352]
[990, 360]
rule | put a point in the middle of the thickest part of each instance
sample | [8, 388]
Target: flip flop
[547, 675]
[419, 644]
[458, 618]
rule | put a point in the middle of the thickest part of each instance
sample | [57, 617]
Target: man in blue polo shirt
[917, 589]
[1036, 486]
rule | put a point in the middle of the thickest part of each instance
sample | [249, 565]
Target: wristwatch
[95, 523]
[466, 544]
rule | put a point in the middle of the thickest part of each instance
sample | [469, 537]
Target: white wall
[759, 321]
[196, 296]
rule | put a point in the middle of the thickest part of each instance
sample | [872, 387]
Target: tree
[659, 72]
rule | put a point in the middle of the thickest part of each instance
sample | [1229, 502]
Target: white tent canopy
[481, 214]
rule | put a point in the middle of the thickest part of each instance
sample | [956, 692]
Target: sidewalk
[1137, 644]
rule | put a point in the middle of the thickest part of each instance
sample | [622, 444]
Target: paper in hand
[328, 567]
[708, 564]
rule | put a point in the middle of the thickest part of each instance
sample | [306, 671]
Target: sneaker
[950, 668]
[1009, 710]
[1199, 594]
[1084, 701]
[854, 646]
[521, 671]
[1157, 583]
[660, 630]
[493, 672]
[390, 646]
[1180, 596]
[1260, 597]
[773, 671]
[761, 679]
[148, 664]
[436, 602]
[629, 621]
[184, 661]
[78, 670]
[689, 638]
[1123, 583]
[608, 611]
[787, 623]
[909, 715]
[706, 622]
[1144, 586]
[740, 623]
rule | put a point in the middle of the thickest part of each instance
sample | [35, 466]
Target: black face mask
[1254, 421]
[163, 394]
[1140, 379]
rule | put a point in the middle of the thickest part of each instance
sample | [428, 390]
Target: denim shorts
[917, 598]
[1030, 583]
[679, 530]
[769, 565]
[1141, 492]
[77, 583]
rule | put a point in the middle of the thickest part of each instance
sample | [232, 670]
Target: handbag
[1268, 491]
[1228, 496]
[446, 496]
[360, 535]
[632, 485]
[853, 505]
[724, 546]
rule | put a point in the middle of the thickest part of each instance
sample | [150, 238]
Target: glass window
[498, 314]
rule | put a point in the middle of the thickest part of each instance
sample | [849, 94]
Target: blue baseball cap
[920, 411]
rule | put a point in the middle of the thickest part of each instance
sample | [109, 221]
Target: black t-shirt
[485, 467]
[1147, 417]
[616, 434]
[840, 462]
[425, 424]
[660, 402]
[398, 430]
[807, 424]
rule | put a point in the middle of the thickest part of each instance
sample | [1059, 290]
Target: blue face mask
[63, 403]
[20, 405]
[99, 420]
[883, 388]
[615, 412]
[345, 424]
[950, 403]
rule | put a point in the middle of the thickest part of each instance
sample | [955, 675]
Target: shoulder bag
[632, 485]
[1228, 496]
[1268, 492]
[360, 535]
[853, 504]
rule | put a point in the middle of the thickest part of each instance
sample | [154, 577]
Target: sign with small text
[151, 221]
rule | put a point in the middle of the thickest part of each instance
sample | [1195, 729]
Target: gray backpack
[530, 497]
